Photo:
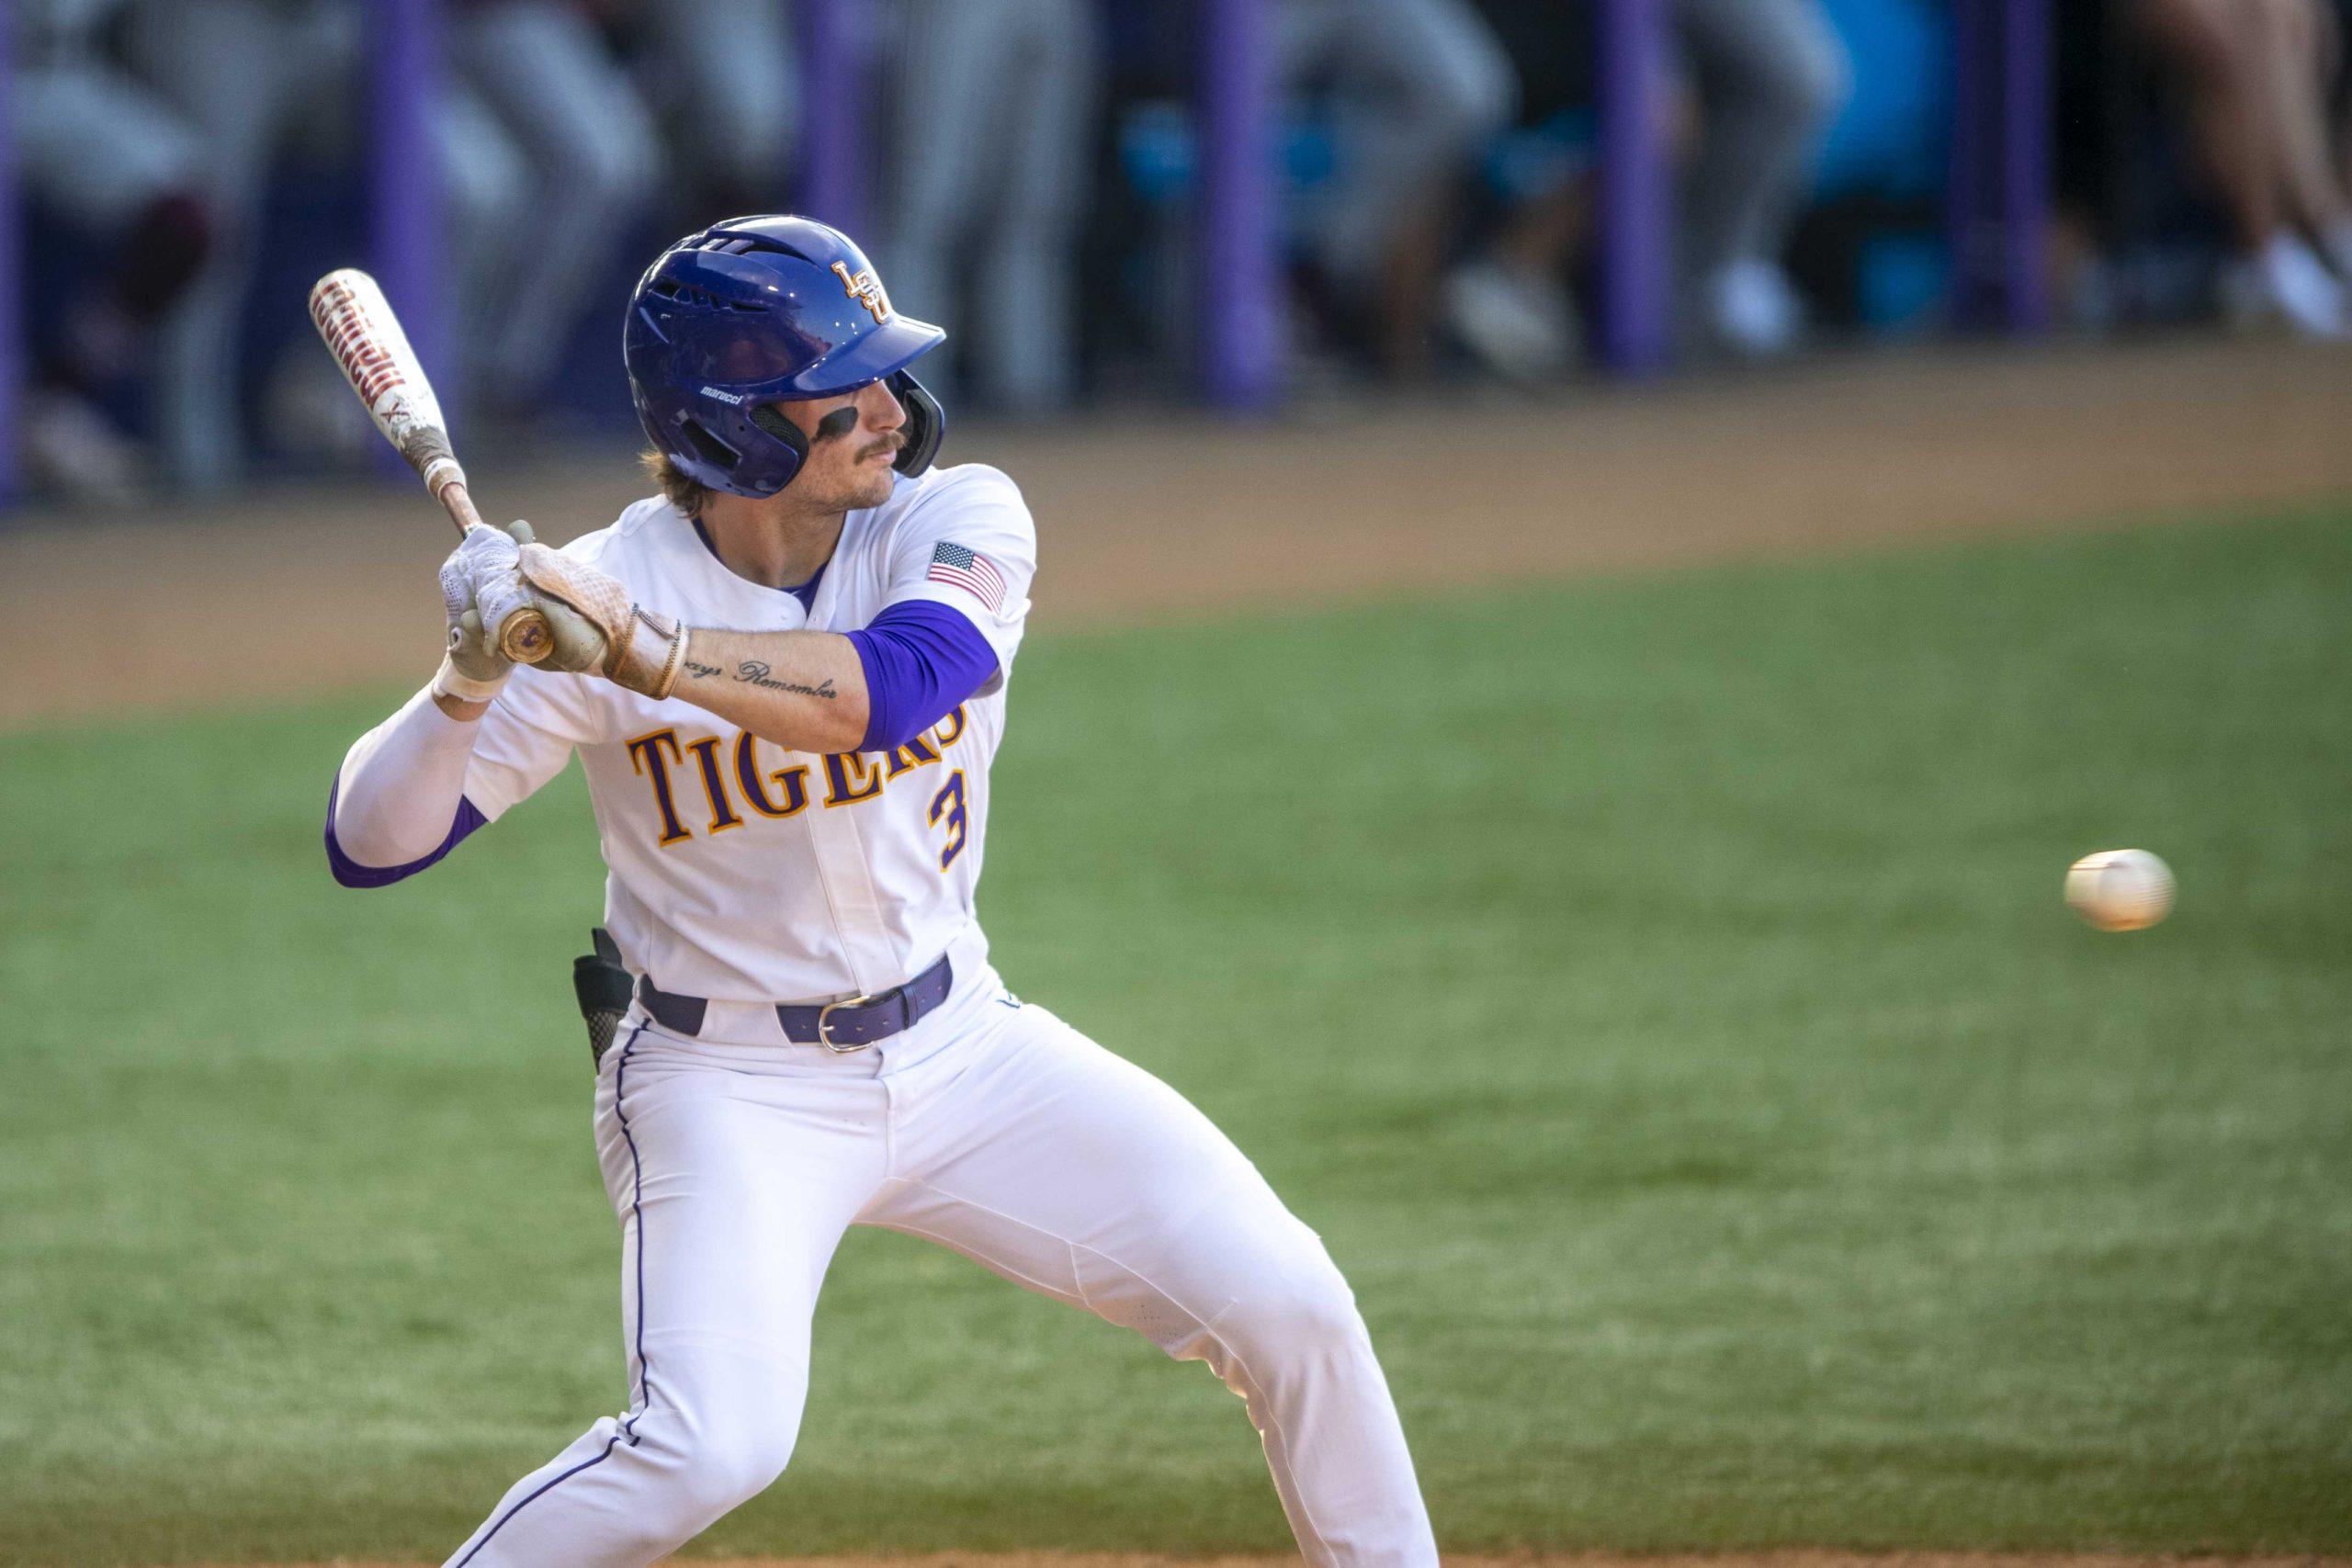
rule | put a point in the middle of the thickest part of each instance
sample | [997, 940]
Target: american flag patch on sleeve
[969, 570]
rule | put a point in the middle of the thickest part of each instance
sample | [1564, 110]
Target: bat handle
[447, 483]
[524, 636]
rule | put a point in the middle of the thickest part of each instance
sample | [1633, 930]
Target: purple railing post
[1237, 289]
[404, 59]
[2000, 162]
[833, 139]
[1636, 188]
[13, 375]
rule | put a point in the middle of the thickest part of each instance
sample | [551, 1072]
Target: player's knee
[1303, 1313]
[713, 1461]
[718, 1477]
[723, 1480]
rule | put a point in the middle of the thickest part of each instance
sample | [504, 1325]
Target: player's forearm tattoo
[759, 674]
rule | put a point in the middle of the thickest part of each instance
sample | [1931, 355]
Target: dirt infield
[1793, 1559]
[293, 591]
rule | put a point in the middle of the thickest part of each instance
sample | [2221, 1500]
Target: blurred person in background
[723, 80]
[2252, 78]
[102, 157]
[992, 103]
[1763, 80]
[1768, 75]
[545, 153]
[547, 75]
[1508, 302]
[249, 77]
[1419, 89]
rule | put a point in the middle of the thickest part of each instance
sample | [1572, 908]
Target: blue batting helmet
[753, 312]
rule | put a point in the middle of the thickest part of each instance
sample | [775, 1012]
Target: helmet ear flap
[770, 418]
[926, 424]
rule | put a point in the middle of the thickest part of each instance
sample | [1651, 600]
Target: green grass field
[1656, 991]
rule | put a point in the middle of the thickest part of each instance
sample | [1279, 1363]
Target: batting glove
[479, 588]
[597, 626]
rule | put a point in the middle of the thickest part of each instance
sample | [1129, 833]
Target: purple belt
[850, 1025]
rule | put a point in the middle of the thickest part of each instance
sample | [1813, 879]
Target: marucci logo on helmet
[735, 397]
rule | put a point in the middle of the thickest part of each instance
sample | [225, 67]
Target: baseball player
[785, 679]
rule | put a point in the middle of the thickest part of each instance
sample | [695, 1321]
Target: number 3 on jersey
[947, 808]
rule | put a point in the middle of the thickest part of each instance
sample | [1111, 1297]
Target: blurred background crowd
[186, 167]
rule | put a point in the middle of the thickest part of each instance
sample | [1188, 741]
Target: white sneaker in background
[2285, 282]
[1753, 309]
[1520, 326]
[73, 451]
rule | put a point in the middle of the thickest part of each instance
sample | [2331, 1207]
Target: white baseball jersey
[748, 873]
[735, 1161]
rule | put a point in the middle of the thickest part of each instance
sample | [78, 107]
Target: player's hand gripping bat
[365, 337]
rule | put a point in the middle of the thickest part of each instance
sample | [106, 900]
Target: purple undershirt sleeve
[920, 658]
[351, 874]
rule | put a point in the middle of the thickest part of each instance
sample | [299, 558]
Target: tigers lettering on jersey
[645, 753]
[739, 866]
[849, 777]
[792, 781]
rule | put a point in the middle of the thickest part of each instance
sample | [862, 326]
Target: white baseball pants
[1017, 1142]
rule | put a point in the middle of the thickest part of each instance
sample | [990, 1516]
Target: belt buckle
[824, 1023]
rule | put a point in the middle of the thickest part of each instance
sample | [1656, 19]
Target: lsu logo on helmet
[865, 287]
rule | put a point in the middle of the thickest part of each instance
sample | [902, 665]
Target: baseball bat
[365, 339]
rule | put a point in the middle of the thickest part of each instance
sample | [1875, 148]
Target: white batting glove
[479, 588]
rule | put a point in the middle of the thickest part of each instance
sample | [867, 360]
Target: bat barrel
[360, 331]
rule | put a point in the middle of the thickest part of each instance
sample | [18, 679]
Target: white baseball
[2120, 890]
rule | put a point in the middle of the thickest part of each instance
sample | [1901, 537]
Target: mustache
[894, 442]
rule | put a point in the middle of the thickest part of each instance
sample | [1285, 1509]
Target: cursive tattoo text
[759, 674]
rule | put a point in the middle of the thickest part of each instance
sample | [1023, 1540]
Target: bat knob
[524, 638]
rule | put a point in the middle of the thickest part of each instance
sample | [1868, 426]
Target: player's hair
[686, 494]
